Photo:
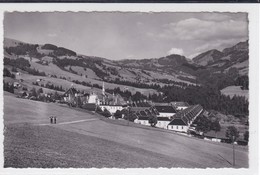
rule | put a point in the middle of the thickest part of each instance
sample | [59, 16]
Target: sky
[129, 35]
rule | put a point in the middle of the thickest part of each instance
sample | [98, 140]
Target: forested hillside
[169, 78]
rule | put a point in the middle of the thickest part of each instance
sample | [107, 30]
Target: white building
[111, 108]
[179, 125]
[93, 98]
[142, 120]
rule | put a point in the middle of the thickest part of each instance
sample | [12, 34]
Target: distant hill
[142, 75]
[232, 57]
[208, 57]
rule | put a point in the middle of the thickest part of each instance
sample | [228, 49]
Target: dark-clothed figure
[51, 118]
[55, 120]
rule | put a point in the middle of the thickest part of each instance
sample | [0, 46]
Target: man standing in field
[51, 119]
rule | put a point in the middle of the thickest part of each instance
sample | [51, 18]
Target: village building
[163, 122]
[143, 114]
[143, 120]
[138, 106]
[70, 96]
[93, 99]
[111, 103]
[74, 97]
[111, 108]
[216, 137]
[39, 80]
[183, 120]
[165, 110]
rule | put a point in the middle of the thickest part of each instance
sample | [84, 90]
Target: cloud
[176, 51]
[203, 29]
[193, 55]
[215, 16]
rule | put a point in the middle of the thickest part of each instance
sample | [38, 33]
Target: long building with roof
[184, 119]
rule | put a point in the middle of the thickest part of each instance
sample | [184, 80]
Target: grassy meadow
[83, 139]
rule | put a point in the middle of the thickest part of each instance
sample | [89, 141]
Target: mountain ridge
[173, 69]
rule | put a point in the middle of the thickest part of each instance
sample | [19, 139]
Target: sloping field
[48, 147]
[235, 90]
[81, 139]
[54, 70]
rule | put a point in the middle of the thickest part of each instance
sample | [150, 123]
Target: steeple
[103, 88]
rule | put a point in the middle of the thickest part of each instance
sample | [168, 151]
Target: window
[176, 127]
[182, 127]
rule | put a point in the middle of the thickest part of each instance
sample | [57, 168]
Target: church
[92, 100]
[111, 103]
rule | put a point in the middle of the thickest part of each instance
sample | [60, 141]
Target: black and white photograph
[111, 89]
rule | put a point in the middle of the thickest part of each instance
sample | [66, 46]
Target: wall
[142, 122]
[166, 114]
[177, 128]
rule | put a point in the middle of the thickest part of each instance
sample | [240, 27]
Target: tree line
[50, 86]
[23, 64]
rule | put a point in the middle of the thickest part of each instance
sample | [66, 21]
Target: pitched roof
[189, 113]
[154, 110]
[148, 112]
[142, 104]
[163, 119]
[165, 109]
[143, 113]
[138, 109]
[70, 91]
[178, 121]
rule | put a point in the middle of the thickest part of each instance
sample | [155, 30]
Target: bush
[106, 113]
[118, 114]
[152, 120]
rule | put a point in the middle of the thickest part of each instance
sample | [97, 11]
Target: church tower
[103, 88]
[103, 92]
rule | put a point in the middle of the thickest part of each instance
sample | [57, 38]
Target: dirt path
[71, 122]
